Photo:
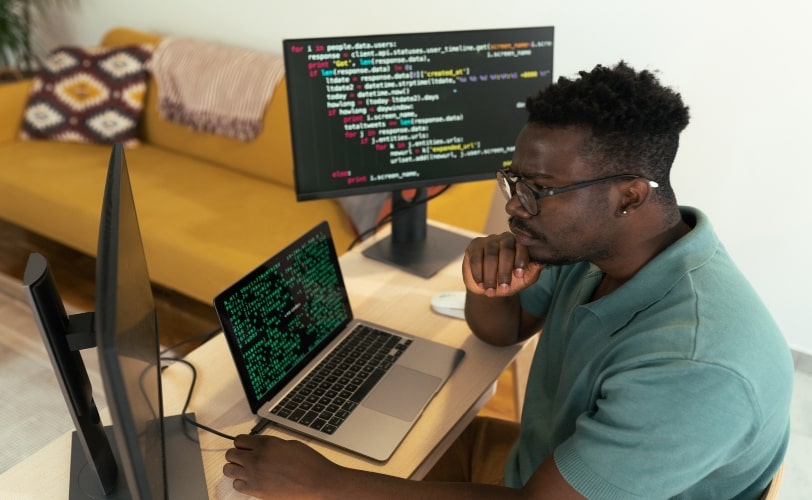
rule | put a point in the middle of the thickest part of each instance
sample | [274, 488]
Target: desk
[378, 293]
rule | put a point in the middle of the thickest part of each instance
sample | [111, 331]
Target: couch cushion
[13, 97]
[203, 226]
[90, 94]
[269, 156]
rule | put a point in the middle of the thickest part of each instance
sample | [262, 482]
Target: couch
[210, 208]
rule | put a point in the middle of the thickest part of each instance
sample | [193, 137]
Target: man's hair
[634, 122]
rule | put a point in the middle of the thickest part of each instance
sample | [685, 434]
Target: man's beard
[555, 256]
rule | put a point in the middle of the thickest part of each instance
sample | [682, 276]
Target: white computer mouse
[449, 304]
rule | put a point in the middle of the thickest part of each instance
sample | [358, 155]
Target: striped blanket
[214, 88]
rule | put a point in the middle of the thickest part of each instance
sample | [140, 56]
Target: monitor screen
[381, 113]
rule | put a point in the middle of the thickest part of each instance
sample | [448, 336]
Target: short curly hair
[634, 120]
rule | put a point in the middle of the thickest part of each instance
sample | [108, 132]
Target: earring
[625, 212]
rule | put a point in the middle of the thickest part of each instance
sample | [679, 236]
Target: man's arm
[495, 269]
[269, 467]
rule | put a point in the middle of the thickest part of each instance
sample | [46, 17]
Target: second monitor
[385, 113]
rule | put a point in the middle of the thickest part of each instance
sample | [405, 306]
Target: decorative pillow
[93, 94]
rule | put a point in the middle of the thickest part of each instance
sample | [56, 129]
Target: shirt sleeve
[625, 447]
[536, 298]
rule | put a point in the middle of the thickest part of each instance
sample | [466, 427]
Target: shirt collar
[658, 276]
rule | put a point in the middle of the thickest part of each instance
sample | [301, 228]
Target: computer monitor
[127, 336]
[156, 456]
[63, 337]
[386, 113]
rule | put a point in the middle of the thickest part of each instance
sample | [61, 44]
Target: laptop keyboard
[325, 398]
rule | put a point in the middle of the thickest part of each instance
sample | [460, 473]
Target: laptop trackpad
[402, 393]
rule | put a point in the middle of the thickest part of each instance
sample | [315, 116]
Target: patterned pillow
[91, 95]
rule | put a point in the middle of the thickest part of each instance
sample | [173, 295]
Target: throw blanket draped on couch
[214, 88]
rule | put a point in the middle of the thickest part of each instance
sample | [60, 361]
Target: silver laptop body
[286, 316]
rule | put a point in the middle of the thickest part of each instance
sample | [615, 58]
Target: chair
[771, 493]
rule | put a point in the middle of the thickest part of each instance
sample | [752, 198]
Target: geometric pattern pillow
[91, 95]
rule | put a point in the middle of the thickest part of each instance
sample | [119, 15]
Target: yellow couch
[210, 208]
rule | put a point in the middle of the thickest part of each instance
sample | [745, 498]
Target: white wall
[742, 66]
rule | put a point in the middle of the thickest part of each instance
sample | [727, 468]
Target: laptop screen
[283, 313]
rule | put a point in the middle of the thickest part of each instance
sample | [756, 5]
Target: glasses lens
[526, 197]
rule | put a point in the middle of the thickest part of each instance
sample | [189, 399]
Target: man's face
[570, 227]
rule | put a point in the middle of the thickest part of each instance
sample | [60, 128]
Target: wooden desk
[378, 293]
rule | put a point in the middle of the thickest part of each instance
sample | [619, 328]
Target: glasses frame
[529, 197]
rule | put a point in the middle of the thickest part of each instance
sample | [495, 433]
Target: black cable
[263, 422]
[202, 336]
[388, 217]
[189, 398]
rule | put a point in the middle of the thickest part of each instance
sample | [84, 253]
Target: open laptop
[292, 335]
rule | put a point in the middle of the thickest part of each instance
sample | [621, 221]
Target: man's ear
[634, 195]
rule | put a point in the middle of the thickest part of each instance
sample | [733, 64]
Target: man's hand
[269, 467]
[497, 266]
[495, 269]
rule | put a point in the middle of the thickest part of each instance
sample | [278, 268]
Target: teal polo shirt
[677, 384]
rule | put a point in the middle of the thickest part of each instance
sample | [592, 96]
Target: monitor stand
[185, 476]
[415, 246]
[423, 258]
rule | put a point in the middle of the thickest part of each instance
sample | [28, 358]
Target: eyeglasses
[511, 184]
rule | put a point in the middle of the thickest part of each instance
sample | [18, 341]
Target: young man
[658, 373]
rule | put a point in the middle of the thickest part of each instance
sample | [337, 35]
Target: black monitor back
[63, 337]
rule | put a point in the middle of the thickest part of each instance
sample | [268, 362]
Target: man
[658, 373]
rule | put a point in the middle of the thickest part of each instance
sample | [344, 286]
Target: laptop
[306, 363]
